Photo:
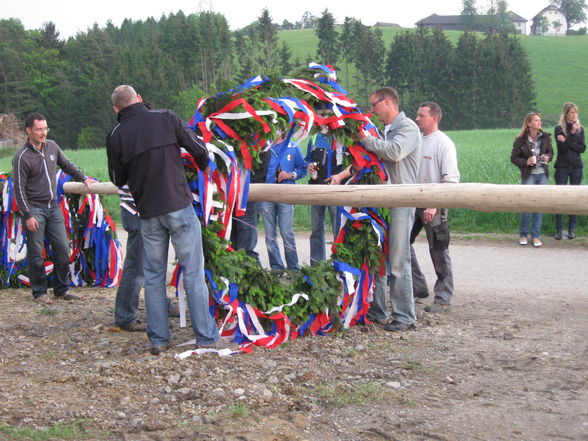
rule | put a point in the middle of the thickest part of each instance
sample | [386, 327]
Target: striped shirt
[126, 200]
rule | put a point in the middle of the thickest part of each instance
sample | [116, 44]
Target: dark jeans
[562, 176]
[126, 305]
[317, 237]
[244, 234]
[51, 224]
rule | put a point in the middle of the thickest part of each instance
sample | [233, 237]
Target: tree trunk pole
[562, 199]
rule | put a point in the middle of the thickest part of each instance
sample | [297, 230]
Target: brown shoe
[137, 326]
[437, 307]
[156, 350]
[68, 296]
[43, 300]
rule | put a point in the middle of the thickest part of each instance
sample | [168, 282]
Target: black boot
[572, 227]
[558, 235]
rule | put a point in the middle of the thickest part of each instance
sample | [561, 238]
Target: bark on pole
[562, 199]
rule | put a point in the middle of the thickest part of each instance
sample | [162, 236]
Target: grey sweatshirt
[35, 176]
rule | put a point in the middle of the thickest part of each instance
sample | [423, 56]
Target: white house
[549, 21]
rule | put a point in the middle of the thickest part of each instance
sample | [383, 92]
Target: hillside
[560, 65]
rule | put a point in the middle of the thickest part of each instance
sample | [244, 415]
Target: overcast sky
[73, 16]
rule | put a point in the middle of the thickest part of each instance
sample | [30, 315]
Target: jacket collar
[31, 146]
[132, 110]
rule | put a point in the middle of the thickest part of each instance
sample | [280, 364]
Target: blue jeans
[400, 278]
[282, 215]
[317, 237]
[244, 233]
[183, 227]
[127, 295]
[537, 179]
[562, 175]
[51, 223]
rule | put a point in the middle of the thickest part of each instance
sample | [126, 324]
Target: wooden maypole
[562, 199]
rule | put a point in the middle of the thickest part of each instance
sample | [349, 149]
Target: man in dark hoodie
[144, 152]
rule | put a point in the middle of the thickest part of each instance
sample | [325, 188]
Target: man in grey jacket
[35, 191]
[399, 148]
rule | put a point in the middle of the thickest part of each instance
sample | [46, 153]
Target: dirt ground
[507, 362]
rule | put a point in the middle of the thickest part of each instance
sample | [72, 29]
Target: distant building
[382, 24]
[544, 23]
[480, 23]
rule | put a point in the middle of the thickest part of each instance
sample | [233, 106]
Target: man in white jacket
[438, 165]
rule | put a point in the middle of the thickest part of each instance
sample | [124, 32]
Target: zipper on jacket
[48, 179]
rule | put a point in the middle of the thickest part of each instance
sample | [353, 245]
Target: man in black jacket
[144, 152]
[35, 190]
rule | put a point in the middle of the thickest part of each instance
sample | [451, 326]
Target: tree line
[484, 81]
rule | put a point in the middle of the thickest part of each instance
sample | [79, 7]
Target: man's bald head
[124, 96]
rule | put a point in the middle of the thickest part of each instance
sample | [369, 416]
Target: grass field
[483, 155]
[559, 65]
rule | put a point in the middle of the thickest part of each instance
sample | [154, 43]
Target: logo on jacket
[52, 157]
[288, 157]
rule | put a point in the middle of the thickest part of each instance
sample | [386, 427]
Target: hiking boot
[437, 307]
[44, 300]
[137, 326]
[68, 296]
[558, 235]
[572, 235]
[156, 350]
[399, 326]
[220, 344]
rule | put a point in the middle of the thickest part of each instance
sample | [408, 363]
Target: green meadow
[559, 66]
[483, 155]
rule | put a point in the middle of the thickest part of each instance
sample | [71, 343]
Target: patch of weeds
[388, 347]
[47, 356]
[57, 431]
[352, 353]
[339, 396]
[213, 416]
[47, 311]
[239, 411]
[412, 366]
[406, 402]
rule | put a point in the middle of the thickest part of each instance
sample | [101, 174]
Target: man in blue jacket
[286, 165]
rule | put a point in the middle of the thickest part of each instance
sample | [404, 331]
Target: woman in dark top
[569, 135]
[531, 152]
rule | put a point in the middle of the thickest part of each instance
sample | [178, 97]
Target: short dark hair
[388, 92]
[30, 120]
[434, 109]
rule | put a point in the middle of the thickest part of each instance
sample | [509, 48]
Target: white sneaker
[522, 240]
[537, 242]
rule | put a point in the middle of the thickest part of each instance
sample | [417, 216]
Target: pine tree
[346, 46]
[266, 34]
[328, 47]
[369, 56]
[466, 98]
